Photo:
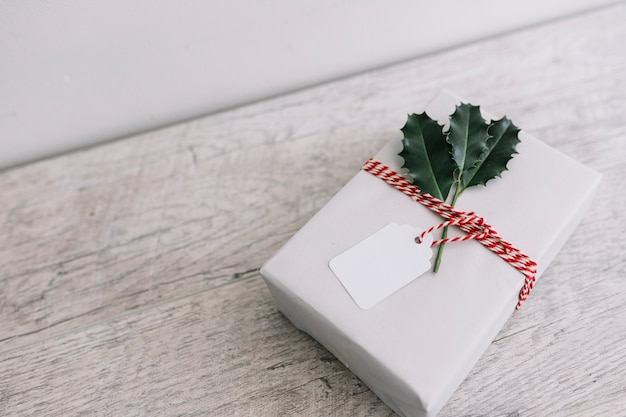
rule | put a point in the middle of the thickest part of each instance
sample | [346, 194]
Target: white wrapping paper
[414, 348]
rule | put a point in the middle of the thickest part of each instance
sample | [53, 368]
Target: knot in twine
[474, 226]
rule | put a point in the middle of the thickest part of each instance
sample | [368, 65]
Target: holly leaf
[501, 147]
[426, 155]
[468, 137]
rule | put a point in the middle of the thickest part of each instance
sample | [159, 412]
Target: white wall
[77, 72]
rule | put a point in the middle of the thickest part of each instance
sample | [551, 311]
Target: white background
[78, 72]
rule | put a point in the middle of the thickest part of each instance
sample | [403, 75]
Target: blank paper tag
[384, 262]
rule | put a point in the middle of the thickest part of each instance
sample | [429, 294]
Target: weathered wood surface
[129, 277]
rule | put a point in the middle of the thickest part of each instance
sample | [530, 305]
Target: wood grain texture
[225, 351]
[129, 272]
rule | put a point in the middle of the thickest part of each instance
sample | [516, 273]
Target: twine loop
[476, 228]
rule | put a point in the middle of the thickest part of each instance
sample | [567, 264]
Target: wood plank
[97, 240]
[225, 351]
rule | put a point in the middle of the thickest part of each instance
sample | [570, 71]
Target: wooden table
[129, 271]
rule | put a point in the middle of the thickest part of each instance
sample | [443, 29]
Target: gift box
[414, 347]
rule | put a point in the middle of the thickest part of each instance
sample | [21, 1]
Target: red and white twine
[474, 226]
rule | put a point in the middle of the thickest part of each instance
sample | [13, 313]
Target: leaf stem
[444, 233]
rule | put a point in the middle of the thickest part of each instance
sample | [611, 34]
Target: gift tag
[383, 263]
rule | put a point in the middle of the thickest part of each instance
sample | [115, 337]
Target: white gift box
[415, 347]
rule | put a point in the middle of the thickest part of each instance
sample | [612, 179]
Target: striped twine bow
[474, 226]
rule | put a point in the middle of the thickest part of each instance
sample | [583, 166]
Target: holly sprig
[446, 162]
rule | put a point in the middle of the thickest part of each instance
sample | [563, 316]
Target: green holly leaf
[468, 137]
[426, 155]
[501, 147]
[469, 153]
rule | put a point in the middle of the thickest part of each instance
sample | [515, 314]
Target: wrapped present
[413, 341]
